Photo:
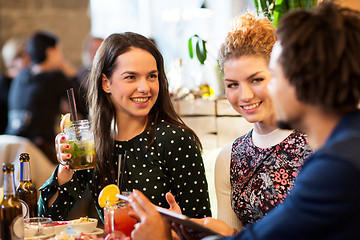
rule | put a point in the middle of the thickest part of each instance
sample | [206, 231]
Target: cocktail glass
[82, 147]
[116, 217]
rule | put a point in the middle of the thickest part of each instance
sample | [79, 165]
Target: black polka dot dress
[172, 163]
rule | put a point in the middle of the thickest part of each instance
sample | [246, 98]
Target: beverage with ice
[116, 218]
[82, 147]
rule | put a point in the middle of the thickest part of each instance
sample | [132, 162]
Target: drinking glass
[116, 217]
[82, 147]
[38, 228]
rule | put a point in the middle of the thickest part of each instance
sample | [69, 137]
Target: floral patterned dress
[261, 178]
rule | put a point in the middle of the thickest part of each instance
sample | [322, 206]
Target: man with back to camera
[316, 88]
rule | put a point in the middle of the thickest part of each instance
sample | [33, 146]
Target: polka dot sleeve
[187, 172]
[68, 194]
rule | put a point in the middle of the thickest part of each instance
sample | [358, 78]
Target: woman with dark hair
[131, 111]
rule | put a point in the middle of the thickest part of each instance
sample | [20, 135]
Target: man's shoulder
[344, 141]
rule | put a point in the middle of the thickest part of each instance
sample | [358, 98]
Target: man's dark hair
[321, 56]
[37, 45]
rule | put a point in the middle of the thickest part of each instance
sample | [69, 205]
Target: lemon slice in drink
[108, 194]
[1, 194]
[65, 122]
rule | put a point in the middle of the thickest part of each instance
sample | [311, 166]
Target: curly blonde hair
[249, 35]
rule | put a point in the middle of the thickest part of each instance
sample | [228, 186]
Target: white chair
[40, 165]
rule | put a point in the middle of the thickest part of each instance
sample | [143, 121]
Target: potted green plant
[197, 46]
[275, 9]
[200, 48]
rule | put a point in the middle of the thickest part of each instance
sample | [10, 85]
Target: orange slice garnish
[108, 195]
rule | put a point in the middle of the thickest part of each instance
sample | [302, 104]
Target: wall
[354, 4]
[68, 19]
[170, 23]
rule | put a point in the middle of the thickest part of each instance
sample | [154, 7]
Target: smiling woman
[255, 172]
[134, 88]
[131, 111]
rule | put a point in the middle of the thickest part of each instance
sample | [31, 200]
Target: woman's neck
[129, 127]
[262, 128]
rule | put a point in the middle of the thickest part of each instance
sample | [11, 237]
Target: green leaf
[275, 9]
[190, 45]
[204, 50]
[77, 152]
[200, 52]
[281, 7]
[200, 48]
[263, 5]
[257, 7]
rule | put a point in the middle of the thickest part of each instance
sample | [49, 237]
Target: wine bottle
[26, 191]
[11, 216]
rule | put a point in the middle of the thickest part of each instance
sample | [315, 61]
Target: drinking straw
[71, 99]
[122, 170]
[119, 166]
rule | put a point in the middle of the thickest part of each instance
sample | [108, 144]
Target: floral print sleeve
[261, 178]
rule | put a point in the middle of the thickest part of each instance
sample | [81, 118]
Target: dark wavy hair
[102, 111]
[38, 43]
[321, 56]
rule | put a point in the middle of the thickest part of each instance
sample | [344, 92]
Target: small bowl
[29, 231]
[85, 227]
[39, 227]
[61, 226]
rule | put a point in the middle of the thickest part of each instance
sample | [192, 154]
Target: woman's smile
[251, 106]
[140, 99]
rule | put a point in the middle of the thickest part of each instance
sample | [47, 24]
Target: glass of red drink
[116, 218]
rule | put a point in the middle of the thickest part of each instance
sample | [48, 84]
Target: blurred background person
[15, 59]
[35, 94]
[90, 47]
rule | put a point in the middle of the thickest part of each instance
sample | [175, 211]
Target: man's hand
[151, 226]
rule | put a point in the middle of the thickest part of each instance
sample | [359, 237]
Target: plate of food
[81, 236]
[83, 224]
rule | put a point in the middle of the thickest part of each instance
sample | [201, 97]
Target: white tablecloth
[10, 149]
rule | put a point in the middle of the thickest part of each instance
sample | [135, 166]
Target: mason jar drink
[82, 147]
[116, 217]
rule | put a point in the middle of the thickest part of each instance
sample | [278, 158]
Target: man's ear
[105, 83]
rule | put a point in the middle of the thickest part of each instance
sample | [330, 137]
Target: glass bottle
[12, 222]
[26, 191]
